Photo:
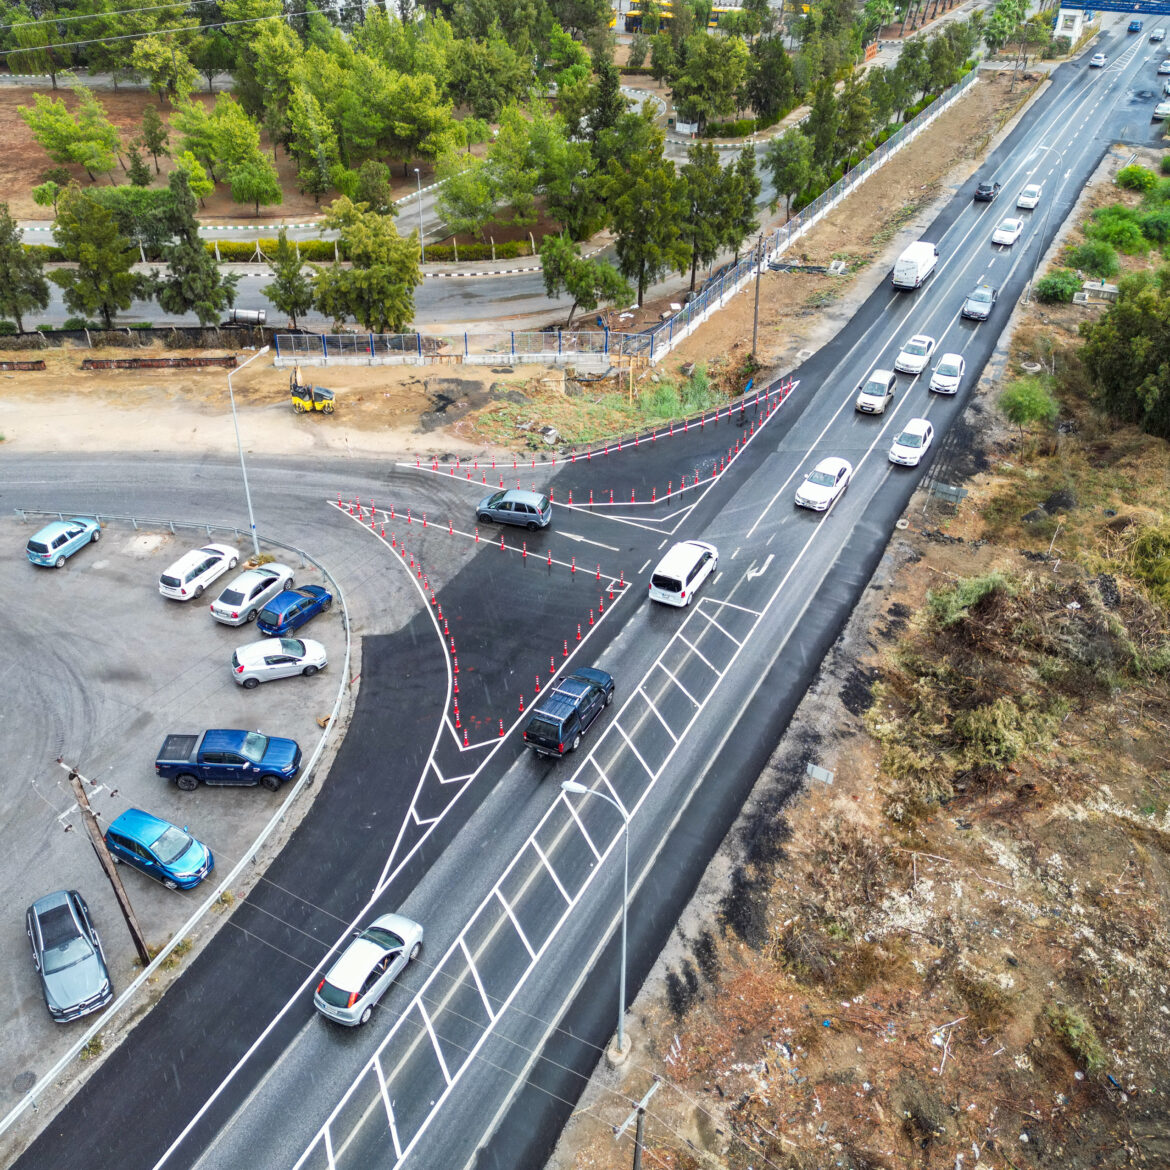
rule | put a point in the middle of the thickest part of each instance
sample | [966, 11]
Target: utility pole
[106, 861]
[756, 311]
[638, 1115]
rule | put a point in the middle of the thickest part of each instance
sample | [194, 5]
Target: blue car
[290, 610]
[62, 539]
[161, 850]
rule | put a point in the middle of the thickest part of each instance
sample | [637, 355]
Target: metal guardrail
[29, 1099]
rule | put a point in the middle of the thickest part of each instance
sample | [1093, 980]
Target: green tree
[255, 181]
[663, 61]
[789, 161]
[290, 290]
[194, 282]
[770, 87]
[213, 54]
[377, 290]
[165, 63]
[312, 142]
[487, 75]
[705, 192]
[570, 185]
[1026, 401]
[276, 52]
[154, 135]
[103, 281]
[137, 171]
[466, 201]
[639, 48]
[824, 120]
[23, 287]
[514, 172]
[581, 16]
[743, 187]
[913, 70]
[706, 84]
[201, 186]
[590, 283]
[856, 114]
[33, 46]
[373, 187]
[649, 243]
[47, 193]
[609, 104]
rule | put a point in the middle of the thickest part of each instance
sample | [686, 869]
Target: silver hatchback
[247, 595]
[365, 969]
[259, 662]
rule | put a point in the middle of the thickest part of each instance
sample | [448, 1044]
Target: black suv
[567, 711]
[986, 192]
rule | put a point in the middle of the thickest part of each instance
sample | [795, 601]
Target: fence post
[276, 342]
[512, 336]
[418, 342]
[325, 345]
[560, 341]
[371, 349]
[465, 345]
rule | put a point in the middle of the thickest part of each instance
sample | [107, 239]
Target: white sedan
[1008, 231]
[1029, 197]
[259, 662]
[1165, 66]
[915, 355]
[909, 447]
[948, 373]
[822, 486]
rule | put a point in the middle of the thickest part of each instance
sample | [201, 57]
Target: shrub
[48, 253]
[1156, 225]
[738, 129]
[508, 250]
[1166, 164]
[1077, 1036]
[1150, 559]
[1096, 257]
[950, 606]
[78, 323]
[1136, 178]
[8, 328]
[1058, 287]
[1119, 226]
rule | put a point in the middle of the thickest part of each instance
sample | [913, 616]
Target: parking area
[99, 669]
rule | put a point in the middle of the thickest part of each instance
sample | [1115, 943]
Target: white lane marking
[422, 1011]
[586, 540]
[657, 713]
[385, 1094]
[483, 995]
[552, 873]
[699, 654]
[630, 744]
[515, 922]
[720, 628]
[671, 675]
[646, 565]
[584, 834]
[753, 572]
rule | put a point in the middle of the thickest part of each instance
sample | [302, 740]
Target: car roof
[269, 570]
[56, 527]
[194, 556]
[916, 426]
[523, 496]
[141, 826]
[253, 652]
[353, 965]
[682, 555]
[288, 597]
[954, 357]
[834, 464]
[51, 901]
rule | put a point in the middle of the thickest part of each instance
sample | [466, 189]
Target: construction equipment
[305, 397]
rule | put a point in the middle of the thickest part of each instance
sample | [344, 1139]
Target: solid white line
[508, 910]
[709, 618]
[650, 704]
[487, 1003]
[552, 873]
[422, 1011]
[667, 671]
[630, 744]
[699, 654]
[573, 814]
[389, 1109]
[730, 605]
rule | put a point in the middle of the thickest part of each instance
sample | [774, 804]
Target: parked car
[915, 355]
[530, 510]
[567, 710]
[686, 565]
[876, 392]
[977, 306]
[1008, 231]
[247, 595]
[290, 610]
[985, 192]
[1134, 26]
[948, 373]
[1161, 112]
[194, 571]
[223, 756]
[364, 971]
[823, 486]
[159, 849]
[68, 956]
[1097, 61]
[1029, 197]
[61, 539]
[913, 442]
[272, 658]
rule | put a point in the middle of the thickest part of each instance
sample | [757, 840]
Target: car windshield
[494, 500]
[822, 478]
[915, 348]
[877, 389]
[231, 597]
[293, 646]
[382, 937]
[171, 845]
[66, 955]
[254, 746]
[981, 295]
[63, 945]
[948, 369]
[909, 439]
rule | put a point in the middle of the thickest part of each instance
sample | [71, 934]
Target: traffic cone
[578, 631]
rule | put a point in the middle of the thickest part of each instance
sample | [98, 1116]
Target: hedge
[509, 250]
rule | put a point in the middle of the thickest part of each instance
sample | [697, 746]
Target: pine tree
[137, 170]
[22, 281]
[154, 135]
[290, 290]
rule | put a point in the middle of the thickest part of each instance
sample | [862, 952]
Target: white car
[259, 662]
[948, 373]
[1159, 34]
[363, 972]
[1008, 231]
[194, 571]
[915, 355]
[1097, 61]
[1161, 111]
[823, 486]
[247, 595]
[909, 447]
[876, 392]
[1029, 197]
[1165, 66]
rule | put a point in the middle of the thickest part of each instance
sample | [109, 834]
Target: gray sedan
[365, 969]
[68, 956]
[977, 307]
[248, 594]
[277, 658]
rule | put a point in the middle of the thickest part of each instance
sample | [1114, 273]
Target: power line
[101, 15]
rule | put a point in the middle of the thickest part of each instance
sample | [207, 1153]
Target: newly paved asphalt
[489, 1034]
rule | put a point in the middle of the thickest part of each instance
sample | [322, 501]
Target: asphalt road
[516, 888]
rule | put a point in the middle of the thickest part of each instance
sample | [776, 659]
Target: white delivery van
[680, 573]
[915, 264]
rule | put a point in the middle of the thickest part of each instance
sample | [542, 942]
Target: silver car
[259, 662]
[68, 956]
[194, 571]
[365, 969]
[247, 595]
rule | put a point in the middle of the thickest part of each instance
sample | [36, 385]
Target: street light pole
[422, 251]
[1043, 230]
[580, 790]
[240, 448]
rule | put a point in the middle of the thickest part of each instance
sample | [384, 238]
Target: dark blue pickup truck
[228, 757]
[567, 710]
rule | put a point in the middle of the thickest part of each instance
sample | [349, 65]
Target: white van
[680, 573]
[915, 264]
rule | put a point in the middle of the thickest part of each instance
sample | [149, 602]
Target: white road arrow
[586, 540]
[753, 572]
